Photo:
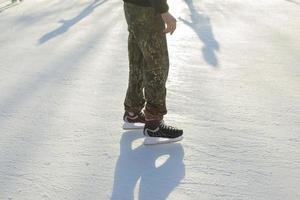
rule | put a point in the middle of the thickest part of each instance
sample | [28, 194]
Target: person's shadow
[67, 24]
[140, 165]
[201, 24]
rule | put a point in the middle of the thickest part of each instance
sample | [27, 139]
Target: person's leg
[134, 100]
[153, 44]
[155, 74]
[147, 28]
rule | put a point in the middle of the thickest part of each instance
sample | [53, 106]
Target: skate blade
[158, 140]
[129, 126]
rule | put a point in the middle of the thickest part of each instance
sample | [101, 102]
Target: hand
[170, 22]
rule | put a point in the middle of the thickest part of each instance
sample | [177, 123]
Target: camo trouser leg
[135, 101]
[148, 62]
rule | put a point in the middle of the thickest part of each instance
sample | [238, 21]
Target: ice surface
[234, 87]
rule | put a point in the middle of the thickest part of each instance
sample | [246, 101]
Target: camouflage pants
[148, 62]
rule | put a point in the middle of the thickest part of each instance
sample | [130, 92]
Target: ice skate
[157, 132]
[133, 121]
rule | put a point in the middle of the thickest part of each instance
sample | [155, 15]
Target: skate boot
[157, 132]
[133, 121]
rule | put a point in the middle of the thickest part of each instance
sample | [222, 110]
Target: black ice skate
[157, 132]
[133, 121]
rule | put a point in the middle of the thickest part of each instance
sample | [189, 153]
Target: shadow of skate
[139, 165]
[67, 24]
[201, 24]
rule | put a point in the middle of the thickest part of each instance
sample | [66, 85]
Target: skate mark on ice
[153, 171]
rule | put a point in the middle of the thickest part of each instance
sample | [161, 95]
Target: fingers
[170, 23]
[170, 28]
[173, 28]
[167, 29]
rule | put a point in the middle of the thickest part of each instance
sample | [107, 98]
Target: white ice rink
[234, 87]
